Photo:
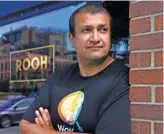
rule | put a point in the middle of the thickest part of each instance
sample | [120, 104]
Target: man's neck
[91, 68]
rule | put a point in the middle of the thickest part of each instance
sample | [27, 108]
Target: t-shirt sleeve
[42, 100]
[114, 114]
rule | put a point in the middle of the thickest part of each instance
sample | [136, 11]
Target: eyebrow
[102, 25]
[90, 26]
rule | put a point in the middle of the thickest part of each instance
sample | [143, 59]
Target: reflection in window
[12, 38]
[24, 103]
[6, 66]
[49, 29]
[1, 66]
[57, 42]
[18, 36]
[120, 50]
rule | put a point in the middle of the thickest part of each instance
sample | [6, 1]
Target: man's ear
[71, 39]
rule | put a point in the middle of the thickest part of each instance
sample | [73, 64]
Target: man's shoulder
[122, 72]
[118, 70]
[63, 70]
[121, 67]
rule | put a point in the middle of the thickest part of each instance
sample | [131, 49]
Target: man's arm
[30, 128]
[43, 124]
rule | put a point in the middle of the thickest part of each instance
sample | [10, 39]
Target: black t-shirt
[98, 104]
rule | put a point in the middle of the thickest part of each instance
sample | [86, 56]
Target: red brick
[140, 25]
[145, 8]
[151, 76]
[149, 41]
[140, 59]
[158, 23]
[141, 127]
[158, 58]
[145, 127]
[140, 94]
[158, 128]
[135, 127]
[159, 94]
[147, 111]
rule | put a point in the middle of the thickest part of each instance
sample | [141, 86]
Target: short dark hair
[88, 8]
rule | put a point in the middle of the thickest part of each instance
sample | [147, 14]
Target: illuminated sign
[35, 63]
[32, 64]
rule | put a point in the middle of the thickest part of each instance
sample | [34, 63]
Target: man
[91, 96]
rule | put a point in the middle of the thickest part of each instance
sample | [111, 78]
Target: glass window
[24, 103]
[46, 29]
[51, 30]
[6, 66]
[12, 38]
[2, 66]
[18, 36]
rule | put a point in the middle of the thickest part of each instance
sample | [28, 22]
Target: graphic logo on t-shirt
[70, 107]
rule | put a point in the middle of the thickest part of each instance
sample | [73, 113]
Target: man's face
[92, 35]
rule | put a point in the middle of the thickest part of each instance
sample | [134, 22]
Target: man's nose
[95, 37]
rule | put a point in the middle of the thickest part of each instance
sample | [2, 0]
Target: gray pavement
[11, 130]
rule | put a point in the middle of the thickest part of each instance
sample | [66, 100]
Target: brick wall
[146, 61]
